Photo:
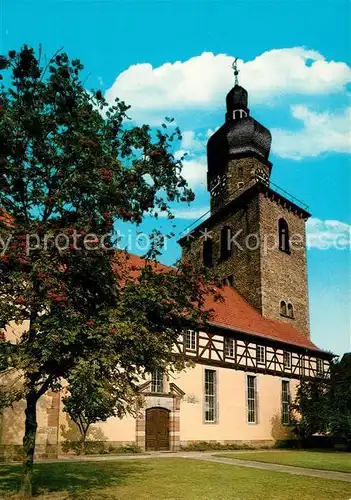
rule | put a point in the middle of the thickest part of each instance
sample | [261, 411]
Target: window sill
[286, 316]
[288, 252]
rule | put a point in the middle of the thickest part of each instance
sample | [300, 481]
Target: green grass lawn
[334, 461]
[168, 479]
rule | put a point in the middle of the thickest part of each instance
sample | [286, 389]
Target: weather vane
[236, 71]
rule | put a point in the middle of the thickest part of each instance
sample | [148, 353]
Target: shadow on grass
[71, 477]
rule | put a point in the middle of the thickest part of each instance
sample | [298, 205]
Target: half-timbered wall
[259, 355]
[233, 358]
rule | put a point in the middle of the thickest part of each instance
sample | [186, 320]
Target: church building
[248, 360]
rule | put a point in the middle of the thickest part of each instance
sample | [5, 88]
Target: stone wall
[244, 263]
[239, 170]
[258, 269]
[284, 275]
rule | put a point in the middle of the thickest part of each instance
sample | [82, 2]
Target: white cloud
[321, 133]
[196, 142]
[192, 142]
[328, 234]
[195, 171]
[205, 79]
[195, 163]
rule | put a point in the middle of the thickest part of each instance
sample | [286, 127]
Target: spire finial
[236, 71]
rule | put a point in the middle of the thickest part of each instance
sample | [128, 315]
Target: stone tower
[255, 236]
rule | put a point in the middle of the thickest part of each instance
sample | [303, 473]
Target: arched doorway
[157, 429]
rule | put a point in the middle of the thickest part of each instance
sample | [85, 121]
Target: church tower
[237, 153]
[255, 236]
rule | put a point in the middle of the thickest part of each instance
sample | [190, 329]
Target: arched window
[290, 310]
[226, 243]
[283, 308]
[283, 229]
[207, 252]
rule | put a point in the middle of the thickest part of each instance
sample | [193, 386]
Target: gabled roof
[236, 314]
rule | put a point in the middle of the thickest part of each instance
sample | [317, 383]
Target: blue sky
[172, 58]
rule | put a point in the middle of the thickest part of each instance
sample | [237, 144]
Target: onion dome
[240, 136]
[247, 136]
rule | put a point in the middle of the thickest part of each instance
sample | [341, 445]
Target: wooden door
[157, 429]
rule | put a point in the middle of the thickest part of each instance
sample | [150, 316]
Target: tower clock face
[217, 184]
[262, 176]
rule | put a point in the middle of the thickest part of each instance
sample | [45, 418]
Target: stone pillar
[51, 449]
[140, 430]
[174, 425]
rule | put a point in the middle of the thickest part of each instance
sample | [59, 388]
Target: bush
[287, 444]
[99, 448]
[129, 448]
[215, 445]
[91, 447]
[313, 443]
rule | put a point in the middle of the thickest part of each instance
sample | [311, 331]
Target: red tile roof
[236, 314]
[5, 218]
[135, 263]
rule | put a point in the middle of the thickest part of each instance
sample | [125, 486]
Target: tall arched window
[226, 243]
[290, 310]
[283, 230]
[283, 307]
[207, 252]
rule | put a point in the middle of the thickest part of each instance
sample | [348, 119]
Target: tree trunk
[29, 445]
[82, 446]
[84, 438]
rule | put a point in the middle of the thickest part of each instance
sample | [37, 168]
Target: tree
[323, 406]
[310, 409]
[98, 391]
[71, 166]
[340, 400]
